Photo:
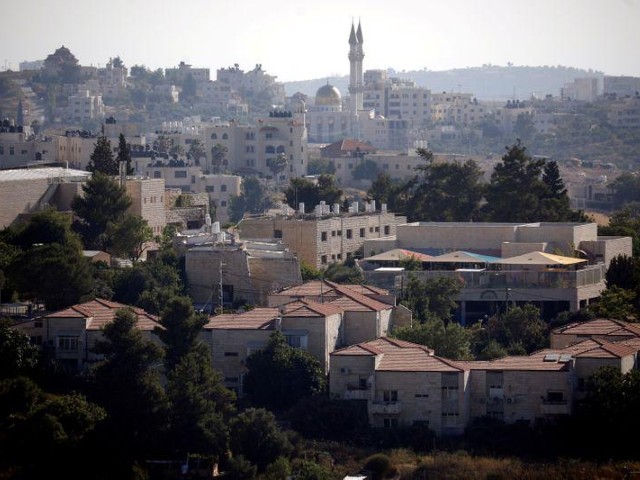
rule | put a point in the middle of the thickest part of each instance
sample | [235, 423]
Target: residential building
[314, 327]
[71, 334]
[20, 147]
[625, 113]
[367, 313]
[26, 191]
[327, 236]
[581, 89]
[518, 264]
[147, 201]
[84, 106]
[621, 86]
[235, 272]
[406, 384]
[177, 76]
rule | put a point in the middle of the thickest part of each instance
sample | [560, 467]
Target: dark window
[323, 236]
[349, 233]
[387, 229]
[362, 232]
[277, 234]
[230, 354]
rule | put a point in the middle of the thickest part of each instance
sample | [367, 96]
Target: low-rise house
[315, 327]
[607, 329]
[71, 334]
[405, 384]
[367, 313]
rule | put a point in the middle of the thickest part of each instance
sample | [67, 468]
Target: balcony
[385, 408]
[357, 394]
[559, 407]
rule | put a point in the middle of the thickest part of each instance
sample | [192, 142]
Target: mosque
[383, 112]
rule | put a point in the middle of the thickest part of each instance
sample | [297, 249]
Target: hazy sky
[298, 40]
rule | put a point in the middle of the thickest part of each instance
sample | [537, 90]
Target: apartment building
[316, 328]
[25, 191]
[71, 334]
[147, 201]
[521, 269]
[327, 236]
[20, 147]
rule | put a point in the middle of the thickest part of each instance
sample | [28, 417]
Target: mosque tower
[356, 81]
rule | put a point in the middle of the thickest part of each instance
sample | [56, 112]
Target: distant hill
[486, 83]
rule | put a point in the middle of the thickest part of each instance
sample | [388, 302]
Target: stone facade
[324, 240]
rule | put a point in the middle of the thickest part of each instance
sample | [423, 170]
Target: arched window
[225, 136]
[214, 136]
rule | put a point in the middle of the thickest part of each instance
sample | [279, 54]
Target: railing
[559, 407]
[387, 408]
[499, 279]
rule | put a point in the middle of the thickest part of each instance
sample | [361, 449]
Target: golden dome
[328, 96]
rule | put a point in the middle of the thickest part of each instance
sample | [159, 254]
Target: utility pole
[220, 288]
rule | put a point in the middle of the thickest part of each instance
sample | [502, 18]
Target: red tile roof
[346, 147]
[594, 348]
[99, 312]
[262, 318]
[600, 326]
[308, 308]
[524, 362]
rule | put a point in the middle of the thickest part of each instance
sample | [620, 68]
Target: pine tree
[102, 158]
[124, 154]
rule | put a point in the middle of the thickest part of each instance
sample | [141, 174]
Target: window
[223, 188]
[323, 259]
[37, 324]
[157, 174]
[214, 136]
[68, 344]
[230, 354]
[323, 236]
[422, 395]
[390, 422]
[223, 203]
[210, 189]
[362, 232]
[11, 150]
[370, 229]
[390, 396]
[277, 234]
[339, 233]
[35, 340]
[225, 136]
[333, 233]
[180, 174]
[387, 229]
[349, 233]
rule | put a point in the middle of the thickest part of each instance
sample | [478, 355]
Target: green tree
[277, 165]
[277, 470]
[189, 90]
[513, 194]
[59, 275]
[127, 384]
[256, 436]
[555, 205]
[449, 191]
[431, 297]
[128, 236]
[239, 468]
[623, 272]
[617, 303]
[124, 154]
[343, 273]
[320, 166]
[103, 203]
[102, 159]
[197, 150]
[254, 198]
[302, 190]
[308, 470]
[448, 340]
[17, 355]
[218, 157]
[397, 194]
[520, 326]
[365, 170]
[625, 222]
[524, 127]
[279, 375]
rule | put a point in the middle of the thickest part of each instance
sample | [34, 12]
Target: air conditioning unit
[345, 370]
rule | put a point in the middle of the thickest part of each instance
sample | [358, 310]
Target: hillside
[487, 83]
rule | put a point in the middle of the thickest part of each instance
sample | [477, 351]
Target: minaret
[356, 54]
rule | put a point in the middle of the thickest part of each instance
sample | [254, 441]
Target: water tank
[301, 208]
[356, 207]
[215, 228]
[336, 208]
[207, 220]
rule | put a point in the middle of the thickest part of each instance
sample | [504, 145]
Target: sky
[297, 40]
